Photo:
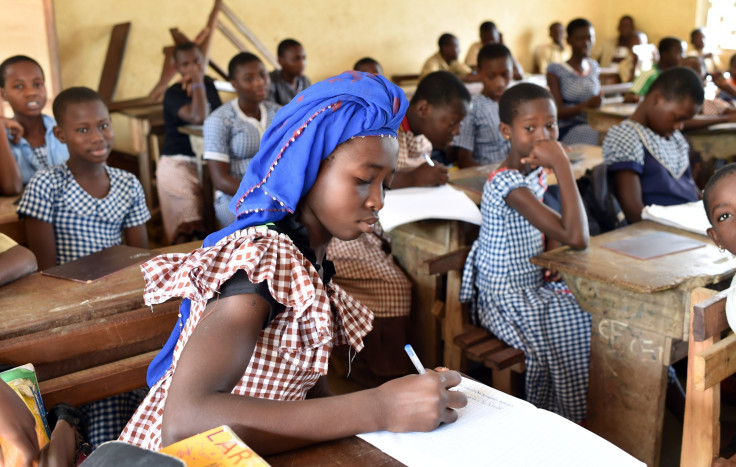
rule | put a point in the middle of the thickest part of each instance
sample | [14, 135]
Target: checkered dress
[82, 223]
[575, 89]
[479, 132]
[412, 149]
[510, 298]
[292, 352]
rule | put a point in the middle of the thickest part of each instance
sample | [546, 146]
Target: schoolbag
[603, 209]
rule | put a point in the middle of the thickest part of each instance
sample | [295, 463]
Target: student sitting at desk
[671, 54]
[613, 51]
[365, 267]
[647, 154]
[555, 51]
[186, 102]
[233, 132]
[489, 34]
[290, 80]
[507, 292]
[480, 141]
[30, 144]
[84, 206]
[576, 86]
[15, 261]
[368, 65]
[446, 59]
[641, 57]
[699, 47]
[727, 86]
[262, 314]
[716, 110]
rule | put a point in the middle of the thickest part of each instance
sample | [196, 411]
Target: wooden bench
[478, 344]
[710, 361]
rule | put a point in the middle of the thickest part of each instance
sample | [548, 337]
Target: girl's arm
[221, 178]
[136, 236]
[41, 241]
[11, 180]
[564, 112]
[628, 193]
[703, 122]
[570, 228]
[15, 263]
[216, 356]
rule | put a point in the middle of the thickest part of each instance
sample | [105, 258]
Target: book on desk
[498, 429]
[98, 265]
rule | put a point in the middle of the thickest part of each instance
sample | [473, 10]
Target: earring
[721, 249]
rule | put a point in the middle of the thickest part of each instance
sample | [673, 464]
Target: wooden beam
[113, 61]
[710, 317]
[243, 29]
[453, 261]
[715, 363]
[232, 37]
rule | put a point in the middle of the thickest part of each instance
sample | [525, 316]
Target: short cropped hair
[71, 96]
[446, 39]
[185, 47]
[491, 51]
[243, 58]
[719, 174]
[517, 95]
[12, 61]
[694, 32]
[577, 23]
[667, 44]
[366, 61]
[285, 45]
[487, 26]
[441, 88]
[679, 83]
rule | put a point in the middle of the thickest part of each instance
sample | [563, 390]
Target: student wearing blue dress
[647, 154]
[508, 294]
[575, 85]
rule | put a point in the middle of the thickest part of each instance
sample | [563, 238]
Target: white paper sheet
[501, 430]
[412, 204]
[689, 216]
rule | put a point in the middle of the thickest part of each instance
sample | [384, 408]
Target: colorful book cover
[23, 381]
[218, 447]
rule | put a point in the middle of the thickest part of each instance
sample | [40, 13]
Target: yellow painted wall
[398, 33]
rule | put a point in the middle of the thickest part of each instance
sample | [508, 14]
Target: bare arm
[216, 356]
[11, 180]
[136, 236]
[17, 425]
[221, 178]
[704, 122]
[41, 241]
[628, 192]
[570, 228]
[16, 262]
[196, 111]
[564, 112]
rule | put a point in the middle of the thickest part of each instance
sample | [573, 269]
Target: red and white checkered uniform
[292, 352]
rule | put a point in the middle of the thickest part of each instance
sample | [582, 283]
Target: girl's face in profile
[348, 193]
[722, 215]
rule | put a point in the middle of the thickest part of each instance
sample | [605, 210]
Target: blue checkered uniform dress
[576, 89]
[510, 298]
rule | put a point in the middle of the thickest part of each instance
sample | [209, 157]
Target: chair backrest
[709, 362]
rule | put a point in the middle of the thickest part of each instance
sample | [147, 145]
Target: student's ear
[423, 108]
[59, 134]
[281, 62]
[713, 236]
[2, 94]
[505, 131]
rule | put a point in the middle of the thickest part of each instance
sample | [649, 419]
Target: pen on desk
[429, 160]
[414, 359]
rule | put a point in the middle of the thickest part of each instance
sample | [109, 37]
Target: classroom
[555, 240]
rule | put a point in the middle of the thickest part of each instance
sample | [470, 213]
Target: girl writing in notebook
[508, 294]
[262, 314]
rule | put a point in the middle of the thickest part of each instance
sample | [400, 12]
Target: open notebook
[440, 202]
[688, 216]
[498, 429]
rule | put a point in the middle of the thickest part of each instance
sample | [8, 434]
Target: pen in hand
[414, 359]
[429, 160]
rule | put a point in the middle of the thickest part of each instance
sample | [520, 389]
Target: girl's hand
[546, 154]
[420, 402]
[594, 102]
[15, 129]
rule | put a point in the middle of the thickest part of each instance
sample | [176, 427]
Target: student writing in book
[647, 154]
[289, 80]
[30, 141]
[233, 132]
[507, 292]
[480, 141]
[262, 314]
[365, 267]
[16, 261]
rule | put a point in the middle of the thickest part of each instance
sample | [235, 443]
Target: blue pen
[414, 359]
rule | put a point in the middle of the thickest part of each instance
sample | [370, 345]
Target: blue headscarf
[302, 135]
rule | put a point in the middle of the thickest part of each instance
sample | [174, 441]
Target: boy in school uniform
[555, 51]
[290, 80]
[446, 59]
[186, 102]
[480, 141]
[30, 144]
[489, 34]
[647, 154]
[365, 267]
[671, 54]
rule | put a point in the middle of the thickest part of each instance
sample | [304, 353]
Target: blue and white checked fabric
[232, 137]
[576, 89]
[108, 417]
[479, 132]
[82, 223]
[55, 152]
[510, 298]
[625, 143]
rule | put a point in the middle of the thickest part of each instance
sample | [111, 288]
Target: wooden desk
[10, 224]
[87, 341]
[714, 142]
[350, 452]
[609, 115]
[640, 320]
